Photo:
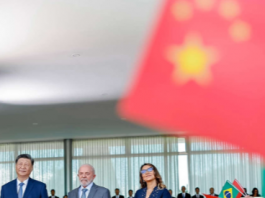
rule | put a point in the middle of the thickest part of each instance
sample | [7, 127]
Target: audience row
[183, 194]
[151, 182]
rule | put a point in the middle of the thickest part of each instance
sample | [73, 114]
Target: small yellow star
[192, 61]
[229, 9]
[240, 31]
[205, 5]
[182, 10]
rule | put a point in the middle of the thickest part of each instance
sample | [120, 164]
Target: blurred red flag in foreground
[204, 72]
[209, 196]
[239, 186]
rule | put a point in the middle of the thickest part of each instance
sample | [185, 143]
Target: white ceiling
[65, 63]
[70, 50]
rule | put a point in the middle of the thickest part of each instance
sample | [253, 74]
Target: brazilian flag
[230, 191]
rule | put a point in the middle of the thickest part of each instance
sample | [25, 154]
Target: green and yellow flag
[230, 191]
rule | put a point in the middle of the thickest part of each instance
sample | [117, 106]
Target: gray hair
[89, 165]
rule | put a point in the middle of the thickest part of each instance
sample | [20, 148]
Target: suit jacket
[187, 195]
[194, 196]
[157, 193]
[95, 192]
[34, 189]
[120, 196]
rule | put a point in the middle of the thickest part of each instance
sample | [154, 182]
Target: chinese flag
[204, 72]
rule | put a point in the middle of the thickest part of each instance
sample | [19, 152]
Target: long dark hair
[253, 191]
[157, 177]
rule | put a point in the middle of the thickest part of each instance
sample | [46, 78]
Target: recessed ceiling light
[75, 55]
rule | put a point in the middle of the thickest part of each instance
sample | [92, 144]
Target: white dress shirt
[23, 187]
[117, 196]
[183, 194]
[88, 190]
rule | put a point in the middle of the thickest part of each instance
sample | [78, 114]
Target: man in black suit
[197, 195]
[170, 192]
[183, 193]
[130, 193]
[53, 194]
[212, 192]
[117, 192]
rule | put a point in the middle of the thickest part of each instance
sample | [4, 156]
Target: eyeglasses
[149, 170]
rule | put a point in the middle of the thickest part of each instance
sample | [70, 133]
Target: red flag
[209, 196]
[204, 72]
[238, 186]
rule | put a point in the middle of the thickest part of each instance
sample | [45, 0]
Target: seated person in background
[65, 196]
[170, 192]
[197, 195]
[255, 193]
[212, 192]
[130, 193]
[183, 193]
[245, 190]
[117, 192]
[53, 194]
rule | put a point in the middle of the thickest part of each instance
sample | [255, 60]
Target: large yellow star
[192, 61]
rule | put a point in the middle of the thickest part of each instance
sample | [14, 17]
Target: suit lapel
[77, 192]
[14, 189]
[28, 188]
[93, 190]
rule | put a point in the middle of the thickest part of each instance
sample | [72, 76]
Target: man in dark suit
[170, 192]
[87, 188]
[183, 193]
[212, 192]
[117, 192]
[245, 191]
[197, 195]
[130, 193]
[53, 194]
[24, 186]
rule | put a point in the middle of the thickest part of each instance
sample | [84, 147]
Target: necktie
[183, 195]
[20, 192]
[84, 193]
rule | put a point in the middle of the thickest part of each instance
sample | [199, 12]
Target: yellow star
[192, 61]
[240, 31]
[182, 10]
[229, 9]
[205, 5]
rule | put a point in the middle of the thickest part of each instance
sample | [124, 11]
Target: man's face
[183, 189]
[23, 167]
[197, 190]
[130, 193]
[117, 192]
[211, 190]
[170, 192]
[53, 192]
[86, 175]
